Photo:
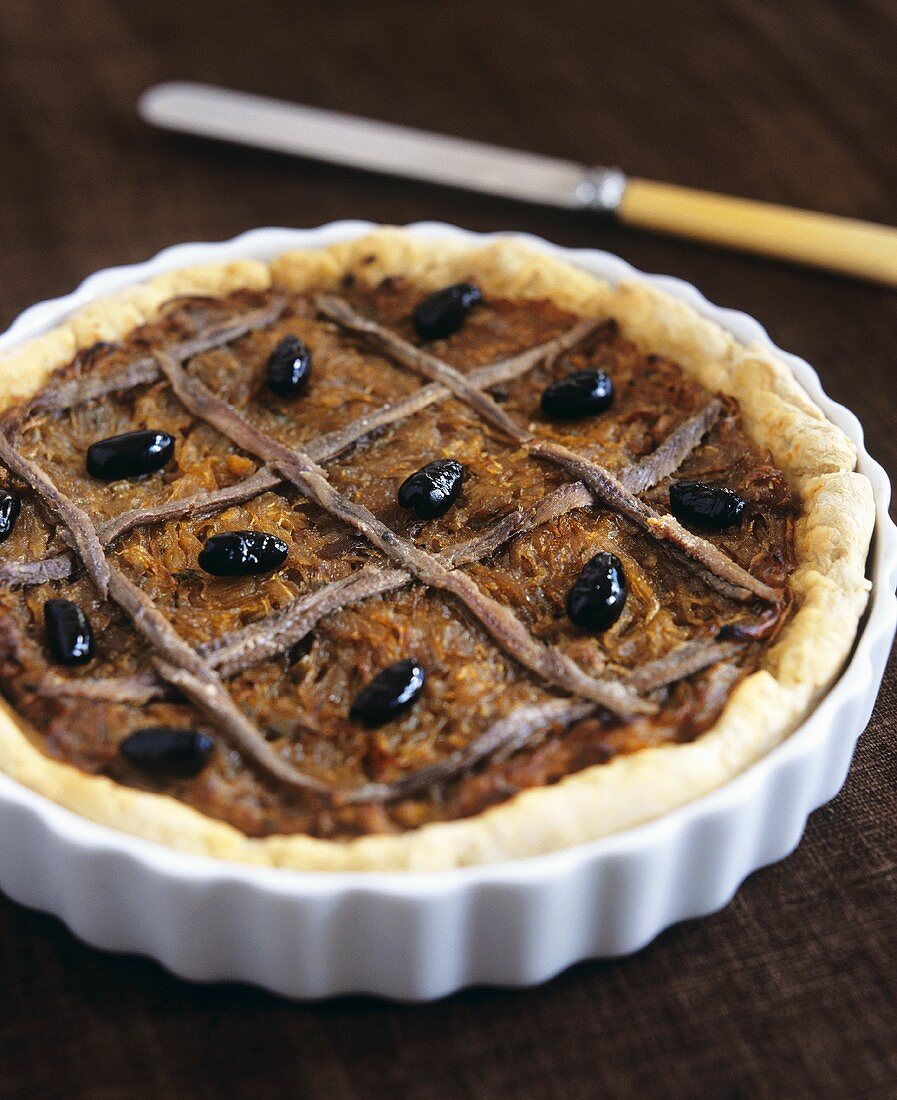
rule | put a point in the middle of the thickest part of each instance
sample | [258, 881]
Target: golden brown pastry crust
[829, 585]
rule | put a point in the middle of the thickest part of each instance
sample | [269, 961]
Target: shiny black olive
[168, 751]
[68, 631]
[389, 694]
[445, 311]
[242, 554]
[713, 507]
[289, 367]
[583, 393]
[599, 593]
[433, 489]
[129, 454]
[10, 506]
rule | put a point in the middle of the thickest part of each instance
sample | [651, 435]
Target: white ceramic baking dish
[415, 935]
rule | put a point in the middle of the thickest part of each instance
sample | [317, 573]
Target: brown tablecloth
[792, 989]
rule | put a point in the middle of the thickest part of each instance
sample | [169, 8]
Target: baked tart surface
[409, 555]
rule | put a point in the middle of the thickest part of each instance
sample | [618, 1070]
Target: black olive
[583, 393]
[389, 694]
[433, 489]
[10, 506]
[445, 311]
[599, 593]
[129, 454]
[711, 506]
[68, 631]
[168, 751]
[242, 553]
[289, 367]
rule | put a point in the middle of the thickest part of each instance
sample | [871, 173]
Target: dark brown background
[792, 990]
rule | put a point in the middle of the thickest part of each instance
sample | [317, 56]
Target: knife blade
[858, 248]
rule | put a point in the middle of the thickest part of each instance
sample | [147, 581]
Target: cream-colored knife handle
[821, 240]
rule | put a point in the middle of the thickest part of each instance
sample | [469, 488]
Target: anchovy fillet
[512, 732]
[283, 629]
[59, 396]
[77, 522]
[680, 663]
[210, 697]
[674, 450]
[69, 394]
[56, 568]
[509, 732]
[136, 690]
[709, 559]
[196, 507]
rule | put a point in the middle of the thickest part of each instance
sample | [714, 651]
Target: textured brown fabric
[792, 989]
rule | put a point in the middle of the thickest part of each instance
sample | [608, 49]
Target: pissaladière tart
[402, 554]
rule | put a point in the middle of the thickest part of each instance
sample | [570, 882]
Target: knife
[845, 245]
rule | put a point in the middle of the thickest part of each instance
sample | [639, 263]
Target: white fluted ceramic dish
[414, 935]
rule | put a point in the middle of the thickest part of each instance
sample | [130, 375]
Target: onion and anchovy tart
[406, 554]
